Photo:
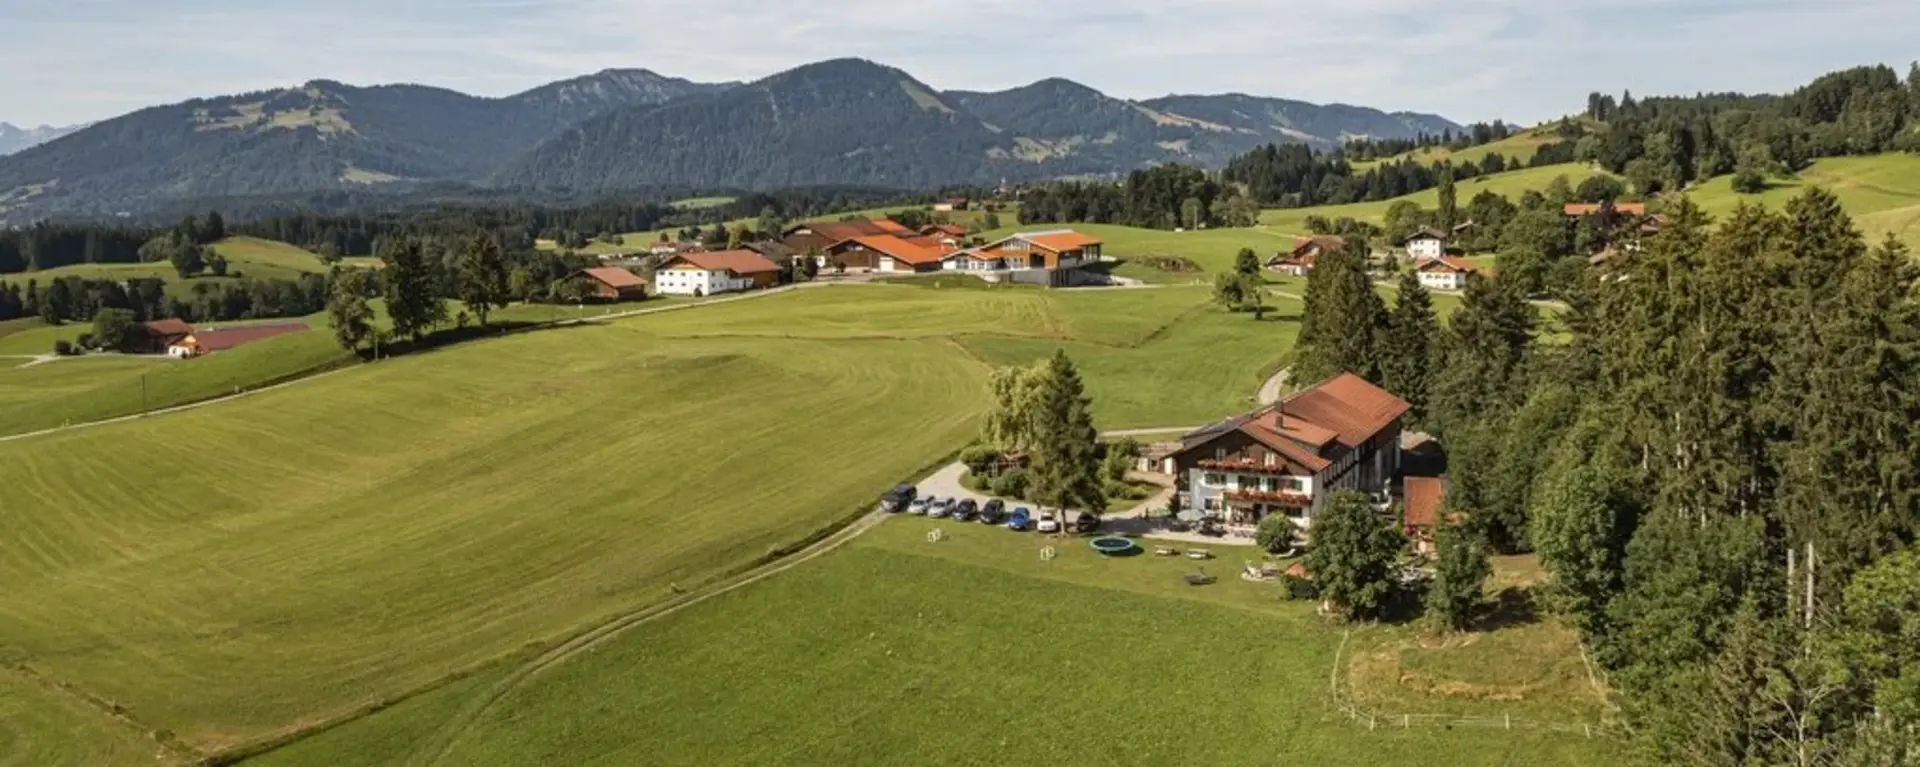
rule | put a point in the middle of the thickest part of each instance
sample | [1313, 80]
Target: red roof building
[608, 283]
[210, 340]
[1289, 457]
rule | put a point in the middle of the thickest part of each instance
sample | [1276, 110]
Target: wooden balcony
[1289, 500]
[1246, 466]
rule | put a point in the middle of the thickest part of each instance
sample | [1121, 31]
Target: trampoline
[1114, 546]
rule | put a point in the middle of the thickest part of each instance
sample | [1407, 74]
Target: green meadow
[973, 650]
[1519, 146]
[1880, 192]
[247, 257]
[235, 572]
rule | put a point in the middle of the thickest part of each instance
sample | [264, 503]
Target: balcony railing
[1245, 466]
[1293, 500]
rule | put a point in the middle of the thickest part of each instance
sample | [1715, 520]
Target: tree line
[1662, 144]
[1365, 149]
[1718, 468]
[1163, 197]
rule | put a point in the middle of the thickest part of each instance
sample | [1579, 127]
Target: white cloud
[1470, 59]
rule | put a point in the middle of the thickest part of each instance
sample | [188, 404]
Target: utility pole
[143, 392]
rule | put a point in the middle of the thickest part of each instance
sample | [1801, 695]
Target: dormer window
[1273, 460]
[1219, 454]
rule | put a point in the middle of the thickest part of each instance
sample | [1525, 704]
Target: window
[1219, 454]
[1270, 485]
[1272, 459]
[1293, 484]
[1210, 504]
[1214, 479]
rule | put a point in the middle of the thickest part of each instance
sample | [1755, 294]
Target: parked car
[1087, 522]
[898, 499]
[994, 512]
[1020, 520]
[1047, 524]
[919, 506]
[941, 508]
[966, 510]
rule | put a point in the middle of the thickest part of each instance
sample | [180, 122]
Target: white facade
[1426, 247]
[694, 281]
[179, 352]
[1443, 279]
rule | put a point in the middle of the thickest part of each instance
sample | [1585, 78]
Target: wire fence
[1374, 719]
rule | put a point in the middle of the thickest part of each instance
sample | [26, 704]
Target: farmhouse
[953, 231]
[1306, 252]
[209, 341]
[1052, 250]
[1425, 243]
[1444, 273]
[888, 253]
[610, 283]
[1290, 457]
[163, 334]
[951, 204]
[710, 272]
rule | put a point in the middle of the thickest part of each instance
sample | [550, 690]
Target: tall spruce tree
[1449, 210]
[1066, 460]
[1407, 350]
[1460, 573]
[1483, 371]
[483, 276]
[1344, 320]
[412, 305]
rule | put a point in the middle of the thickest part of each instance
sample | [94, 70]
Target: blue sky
[1522, 60]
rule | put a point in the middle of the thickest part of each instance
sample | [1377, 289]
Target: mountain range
[14, 138]
[845, 121]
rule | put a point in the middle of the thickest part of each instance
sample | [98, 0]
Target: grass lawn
[1519, 146]
[40, 727]
[369, 533]
[1511, 184]
[1881, 192]
[94, 387]
[968, 651]
[247, 257]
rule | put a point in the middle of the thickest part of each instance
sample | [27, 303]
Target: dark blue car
[1021, 520]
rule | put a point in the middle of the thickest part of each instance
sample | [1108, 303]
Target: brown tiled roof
[1424, 233]
[737, 261]
[1590, 208]
[901, 250]
[892, 227]
[169, 327]
[1294, 259]
[1423, 498]
[1348, 405]
[952, 230]
[1448, 264]
[614, 277]
[218, 340]
[1059, 242]
[1324, 241]
[841, 231]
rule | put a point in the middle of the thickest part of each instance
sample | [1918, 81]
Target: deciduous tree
[1354, 549]
[412, 304]
[483, 276]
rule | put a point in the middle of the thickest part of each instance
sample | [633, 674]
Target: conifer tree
[1449, 210]
[347, 309]
[483, 276]
[412, 305]
[1344, 320]
[1460, 572]
[1066, 462]
[1484, 352]
[1407, 349]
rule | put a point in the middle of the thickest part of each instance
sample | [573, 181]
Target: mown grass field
[971, 650]
[247, 257]
[229, 572]
[1511, 184]
[1519, 146]
[1881, 192]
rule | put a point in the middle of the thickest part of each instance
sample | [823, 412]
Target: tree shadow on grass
[1512, 607]
[441, 339]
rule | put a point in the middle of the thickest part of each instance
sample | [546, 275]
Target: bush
[63, 347]
[1276, 534]
[979, 458]
[1011, 483]
[87, 341]
[1299, 588]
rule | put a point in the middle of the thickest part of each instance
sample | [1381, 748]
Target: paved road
[1270, 391]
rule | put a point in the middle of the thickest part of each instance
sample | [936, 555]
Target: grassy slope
[381, 528]
[39, 727]
[95, 387]
[1881, 192]
[969, 651]
[246, 257]
[512, 490]
[1519, 146]
[1511, 184]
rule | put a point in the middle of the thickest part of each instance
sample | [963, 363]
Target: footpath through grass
[971, 650]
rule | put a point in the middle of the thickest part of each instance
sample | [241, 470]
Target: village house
[888, 253]
[1425, 244]
[1290, 457]
[706, 273]
[1444, 273]
[951, 204]
[1306, 252]
[834, 244]
[954, 231]
[609, 283]
[210, 340]
[1582, 209]
[1052, 250]
[161, 335]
